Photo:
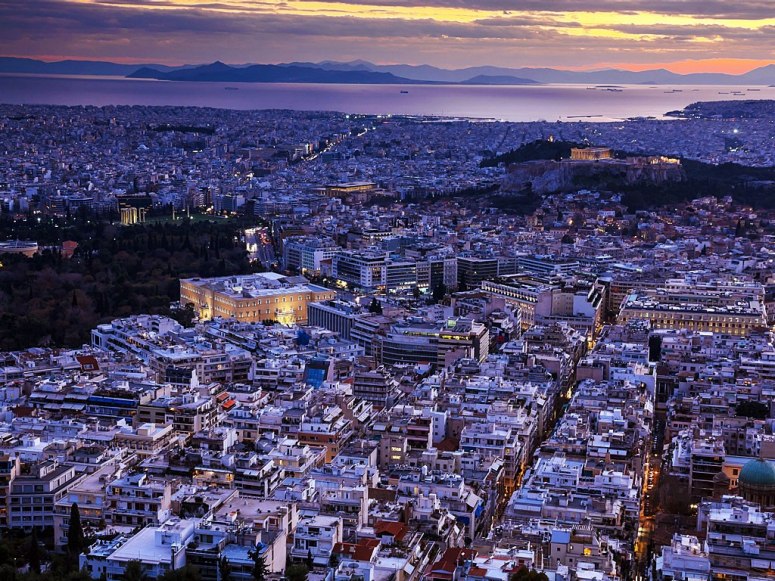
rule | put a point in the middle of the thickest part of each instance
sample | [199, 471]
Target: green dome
[759, 473]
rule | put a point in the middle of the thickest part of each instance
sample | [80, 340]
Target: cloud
[162, 31]
[742, 9]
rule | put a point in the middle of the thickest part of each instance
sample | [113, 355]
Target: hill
[754, 186]
[72, 67]
[533, 151]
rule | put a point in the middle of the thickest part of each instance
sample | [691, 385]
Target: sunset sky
[681, 35]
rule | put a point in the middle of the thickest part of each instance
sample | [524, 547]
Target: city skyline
[682, 37]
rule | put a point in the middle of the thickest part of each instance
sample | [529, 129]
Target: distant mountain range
[219, 72]
[363, 72]
[70, 67]
[761, 76]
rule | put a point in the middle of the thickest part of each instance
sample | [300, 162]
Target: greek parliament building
[253, 298]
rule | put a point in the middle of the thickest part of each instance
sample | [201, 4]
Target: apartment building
[683, 560]
[188, 413]
[376, 386]
[10, 467]
[33, 495]
[138, 500]
[493, 441]
[147, 439]
[437, 344]
[308, 254]
[473, 270]
[361, 269]
[90, 494]
[328, 429]
[316, 536]
[159, 549]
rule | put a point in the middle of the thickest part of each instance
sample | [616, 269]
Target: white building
[316, 535]
[308, 254]
[159, 549]
[683, 560]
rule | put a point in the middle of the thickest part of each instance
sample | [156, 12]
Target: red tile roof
[452, 557]
[383, 494]
[88, 362]
[363, 550]
[395, 529]
[447, 445]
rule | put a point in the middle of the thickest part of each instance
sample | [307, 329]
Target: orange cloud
[732, 66]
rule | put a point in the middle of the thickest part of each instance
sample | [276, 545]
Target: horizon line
[631, 68]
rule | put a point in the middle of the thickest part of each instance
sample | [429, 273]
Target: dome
[758, 473]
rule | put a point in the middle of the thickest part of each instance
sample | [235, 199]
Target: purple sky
[684, 35]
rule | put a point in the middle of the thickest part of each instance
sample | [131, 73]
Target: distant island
[220, 72]
[747, 109]
[364, 72]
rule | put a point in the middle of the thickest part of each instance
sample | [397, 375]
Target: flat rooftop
[258, 285]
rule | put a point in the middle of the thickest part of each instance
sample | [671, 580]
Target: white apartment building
[316, 535]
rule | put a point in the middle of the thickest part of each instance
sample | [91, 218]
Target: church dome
[758, 473]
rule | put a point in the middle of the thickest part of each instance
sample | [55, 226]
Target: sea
[508, 103]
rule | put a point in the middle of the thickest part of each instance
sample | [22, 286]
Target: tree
[82, 575]
[8, 572]
[185, 315]
[260, 570]
[375, 307]
[525, 574]
[134, 572]
[187, 573]
[416, 292]
[75, 540]
[310, 562]
[33, 555]
[224, 569]
[114, 272]
[297, 572]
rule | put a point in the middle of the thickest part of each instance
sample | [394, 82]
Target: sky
[681, 35]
